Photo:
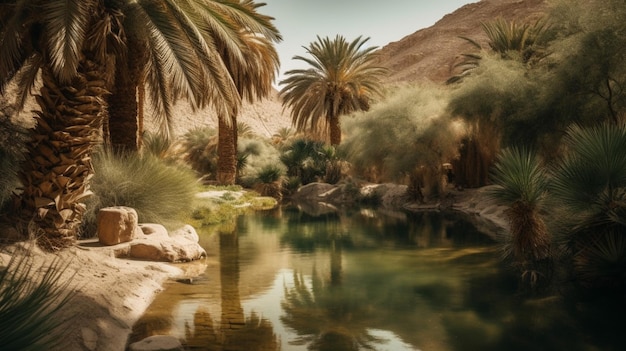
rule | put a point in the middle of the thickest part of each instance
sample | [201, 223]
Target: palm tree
[253, 80]
[521, 185]
[343, 78]
[590, 183]
[186, 49]
[68, 43]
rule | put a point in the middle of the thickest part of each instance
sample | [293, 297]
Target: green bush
[199, 147]
[28, 307]
[158, 191]
[259, 155]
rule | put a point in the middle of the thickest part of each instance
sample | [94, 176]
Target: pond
[289, 279]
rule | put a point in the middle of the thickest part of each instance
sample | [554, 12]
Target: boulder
[170, 249]
[157, 343]
[117, 225]
[154, 230]
[187, 232]
[312, 191]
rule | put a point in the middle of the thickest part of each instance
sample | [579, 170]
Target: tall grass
[28, 305]
[158, 191]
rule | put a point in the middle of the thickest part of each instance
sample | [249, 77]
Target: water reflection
[292, 280]
[233, 330]
[328, 317]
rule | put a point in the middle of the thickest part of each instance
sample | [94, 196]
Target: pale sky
[300, 21]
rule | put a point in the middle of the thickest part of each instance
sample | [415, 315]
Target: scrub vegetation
[539, 114]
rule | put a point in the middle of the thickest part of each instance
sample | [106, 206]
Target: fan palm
[343, 78]
[69, 43]
[521, 185]
[591, 185]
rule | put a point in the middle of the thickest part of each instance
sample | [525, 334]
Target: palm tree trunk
[55, 175]
[227, 152]
[335, 129]
[123, 102]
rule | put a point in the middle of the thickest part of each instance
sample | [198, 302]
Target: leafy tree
[343, 78]
[407, 135]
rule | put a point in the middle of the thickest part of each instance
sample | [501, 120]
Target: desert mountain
[431, 53]
[428, 54]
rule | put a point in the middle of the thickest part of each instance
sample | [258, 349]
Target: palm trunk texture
[55, 176]
[124, 113]
[227, 152]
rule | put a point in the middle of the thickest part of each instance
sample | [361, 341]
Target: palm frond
[12, 50]
[66, 23]
[594, 169]
[520, 178]
[28, 307]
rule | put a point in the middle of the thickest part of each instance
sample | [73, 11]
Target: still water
[289, 279]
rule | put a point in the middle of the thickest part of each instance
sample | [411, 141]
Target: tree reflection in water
[235, 332]
[327, 316]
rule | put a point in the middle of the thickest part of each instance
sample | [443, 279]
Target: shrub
[590, 185]
[159, 192]
[199, 148]
[259, 154]
[269, 181]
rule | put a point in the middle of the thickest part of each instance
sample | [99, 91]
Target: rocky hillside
[428, 54]
[431, 53]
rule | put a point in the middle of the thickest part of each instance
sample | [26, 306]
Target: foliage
[269, 181]
[157, 145]
[260, 154]
[510, 40]
[160, 193]
[521, 178]
[343, 77]
[28, 305]
[590, 184]
[307, 160]
[214, 210]
[521, 185]
[403, 134]
[199, 148]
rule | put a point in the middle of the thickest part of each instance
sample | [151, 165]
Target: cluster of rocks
[118, 227]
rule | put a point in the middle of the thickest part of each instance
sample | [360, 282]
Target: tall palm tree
[69, 43]
[343, 78]
[253, 80]
[174, 46]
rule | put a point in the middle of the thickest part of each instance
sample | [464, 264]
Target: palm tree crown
[343, 78]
